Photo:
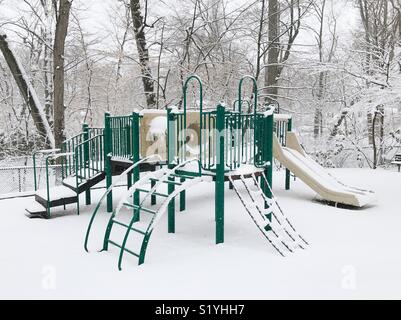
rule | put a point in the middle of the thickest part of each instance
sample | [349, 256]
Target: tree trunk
[143, 53]
[338, 124]
[47, 59]
[27, 92]
[272, 68]
[58, 69]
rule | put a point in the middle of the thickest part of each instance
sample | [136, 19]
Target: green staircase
[81, 159]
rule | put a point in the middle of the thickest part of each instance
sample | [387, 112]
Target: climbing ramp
[145, 213]
[267, 214]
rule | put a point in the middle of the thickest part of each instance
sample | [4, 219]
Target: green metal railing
[244, 132]
[121, 133]
[89, 159]
[183, 134]
[49, 160]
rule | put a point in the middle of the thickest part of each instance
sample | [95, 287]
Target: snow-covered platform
[352, 255]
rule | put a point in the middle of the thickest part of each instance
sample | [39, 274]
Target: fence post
[19, 180]
[219, 183]
[288, 172]
[107, 159]
[135, 158]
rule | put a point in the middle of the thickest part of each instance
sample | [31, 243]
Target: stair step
[153, 194]
[128, 227]
[125, 249]
[134, 206]
[166, 181]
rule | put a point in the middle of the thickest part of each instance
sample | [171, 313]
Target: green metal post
[219, 183]
[152, 197]
[182, 197]
[129, 151]
[288, 172]
[268, 137]
[47, 189]
[85, 130]
[108, 140]
[35, 181]
[135, 157]
[170, 161]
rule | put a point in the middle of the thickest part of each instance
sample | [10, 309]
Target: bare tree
[62, 9]
[140, 23]
[27, 91]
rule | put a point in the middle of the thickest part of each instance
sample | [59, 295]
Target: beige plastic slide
[294, 158]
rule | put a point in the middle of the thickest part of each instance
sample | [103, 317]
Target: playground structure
[163, 153]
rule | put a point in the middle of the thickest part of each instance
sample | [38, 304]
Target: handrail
[185, 87]
[255, 93]
[255, 99]
[53, 157]
[87, 159]
[236, 103]
[45, 151]
[113, 185]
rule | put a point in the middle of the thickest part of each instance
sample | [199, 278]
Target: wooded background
[334, 64]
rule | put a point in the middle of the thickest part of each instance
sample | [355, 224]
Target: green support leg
[135, 158]
[287, 179]
[287, 172]
[152, 197]
[268, 157]
[109, 181]
[88, 197]
[85, 130]
[129, 180]
[219, 183]
[171, 208]
[182, 197]
[108, 140]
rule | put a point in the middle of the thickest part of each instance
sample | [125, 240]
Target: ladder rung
[153, 194]
[166, 181]
[128, 227]
[125, 249]
[134, 206]
[182, 176]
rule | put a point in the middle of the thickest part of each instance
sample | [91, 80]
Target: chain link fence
[20, 179]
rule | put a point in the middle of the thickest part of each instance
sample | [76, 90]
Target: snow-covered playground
[353, 253]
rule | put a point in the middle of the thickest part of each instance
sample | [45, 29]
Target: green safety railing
[89, 159]
[244, 132]
[121, 132]
[61, 158]
[236, 103]
[184, 121]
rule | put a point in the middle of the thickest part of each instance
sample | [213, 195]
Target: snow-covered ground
[353, 253]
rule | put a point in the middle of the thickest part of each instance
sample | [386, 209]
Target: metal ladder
[268, 215]
[156, 180]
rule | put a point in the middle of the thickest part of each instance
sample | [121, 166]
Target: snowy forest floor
[353, 253]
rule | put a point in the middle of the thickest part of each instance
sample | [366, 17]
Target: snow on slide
[318, 179]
